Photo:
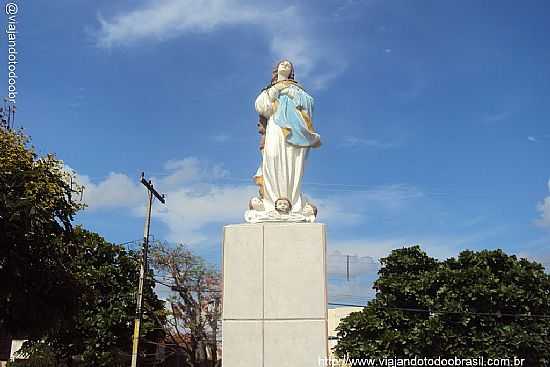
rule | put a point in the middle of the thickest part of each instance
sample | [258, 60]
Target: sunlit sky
[434, 117]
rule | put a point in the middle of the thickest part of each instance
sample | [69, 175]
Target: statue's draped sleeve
[264, 103]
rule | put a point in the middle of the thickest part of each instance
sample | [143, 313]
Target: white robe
[282, 164]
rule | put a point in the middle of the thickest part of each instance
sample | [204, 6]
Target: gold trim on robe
[286, 131]
[307, 119]
[309, 124]
[259, 181]
[274, 106]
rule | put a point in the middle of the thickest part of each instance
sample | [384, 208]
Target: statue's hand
[281, 86]
[290, 92]
[273, 92]
[277, 89]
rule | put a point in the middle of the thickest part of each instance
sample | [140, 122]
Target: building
[335, 315]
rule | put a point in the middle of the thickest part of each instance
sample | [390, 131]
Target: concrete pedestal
[274, 295]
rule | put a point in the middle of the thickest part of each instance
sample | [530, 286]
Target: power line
[361, 187]
[137, 241]
[432, 312]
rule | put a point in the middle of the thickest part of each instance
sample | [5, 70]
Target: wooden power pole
[143, 268]
[347, 268]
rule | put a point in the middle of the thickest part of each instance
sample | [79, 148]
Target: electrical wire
[432, 312]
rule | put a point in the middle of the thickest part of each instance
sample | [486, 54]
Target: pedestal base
[274, 301]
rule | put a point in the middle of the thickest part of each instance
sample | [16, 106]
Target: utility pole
[347, 268]
[143, 268]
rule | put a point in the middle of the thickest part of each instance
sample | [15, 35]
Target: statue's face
[282, 206]
[285, 68]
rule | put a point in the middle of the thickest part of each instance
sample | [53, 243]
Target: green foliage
[66, 289]
[36, 209]
[479, 304]
[100, 333]
[42, 356]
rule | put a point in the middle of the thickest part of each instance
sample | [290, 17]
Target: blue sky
[434, 117]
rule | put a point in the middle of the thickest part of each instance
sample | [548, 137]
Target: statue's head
[283, 205]
[284, 68]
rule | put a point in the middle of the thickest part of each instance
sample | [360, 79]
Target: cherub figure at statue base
[281, 213]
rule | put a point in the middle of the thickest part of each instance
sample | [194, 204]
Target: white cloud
[291, 33]
[358, 288]
[391, 197]
[188, 210]
[531, 138]
[337, 264]
[197, 195]
[187, 171]
[192, 200]
[115, 191]
[118, 190]
[159, 20]
[353, 141]
[438, 246]
[540, 254]
[356, 291]
[365, 253]
[350, 205]
[496, 117]
[220, 138]
[544, 209]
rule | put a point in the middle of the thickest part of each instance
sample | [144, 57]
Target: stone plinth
[274, 295]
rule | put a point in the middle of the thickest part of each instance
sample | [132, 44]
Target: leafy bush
[479, 304]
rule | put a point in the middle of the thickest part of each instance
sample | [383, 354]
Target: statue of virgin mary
[289, 134]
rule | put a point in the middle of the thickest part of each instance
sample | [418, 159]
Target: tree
[37, 289]
[192, 325]
[100, 332]
[66, 289]
[479, 304]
